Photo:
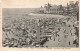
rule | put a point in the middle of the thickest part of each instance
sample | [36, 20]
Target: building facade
[52, 9]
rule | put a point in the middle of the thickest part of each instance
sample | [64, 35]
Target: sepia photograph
[41, 24]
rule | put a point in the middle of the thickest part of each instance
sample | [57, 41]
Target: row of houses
[71, 8]
[53, 10]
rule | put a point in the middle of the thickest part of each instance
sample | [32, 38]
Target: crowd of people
[23, 32]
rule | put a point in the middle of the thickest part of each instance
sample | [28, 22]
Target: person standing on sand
[69, 42]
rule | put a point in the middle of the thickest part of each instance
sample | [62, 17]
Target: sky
[32, 3]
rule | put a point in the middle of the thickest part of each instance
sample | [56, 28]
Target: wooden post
[38, 31]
